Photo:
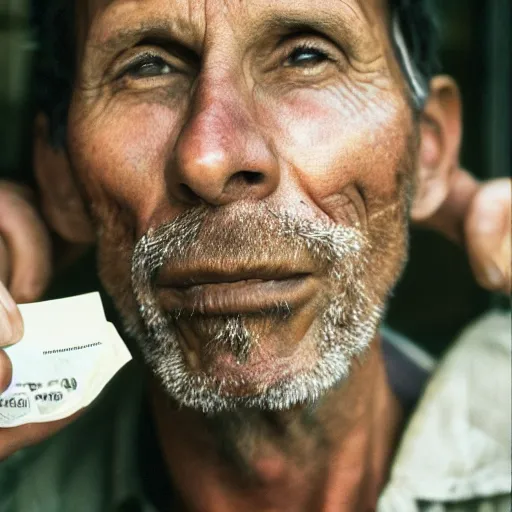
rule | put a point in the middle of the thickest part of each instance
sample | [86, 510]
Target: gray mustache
[205, 234]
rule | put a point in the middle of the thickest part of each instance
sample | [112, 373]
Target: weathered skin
[329, 140]
[231, 115]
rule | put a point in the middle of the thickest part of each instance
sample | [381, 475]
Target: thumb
[488, 235]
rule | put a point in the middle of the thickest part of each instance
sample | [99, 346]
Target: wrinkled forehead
[360, 23]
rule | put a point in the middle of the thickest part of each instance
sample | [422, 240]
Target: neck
[333, 457]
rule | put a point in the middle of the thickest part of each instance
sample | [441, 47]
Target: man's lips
[221, 294]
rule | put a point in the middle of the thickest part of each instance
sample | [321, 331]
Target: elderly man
[248, 170]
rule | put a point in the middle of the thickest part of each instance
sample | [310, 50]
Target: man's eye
[306, 56]
[149, 67]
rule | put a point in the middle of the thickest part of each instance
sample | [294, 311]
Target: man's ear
[441, 131]
[61, 202]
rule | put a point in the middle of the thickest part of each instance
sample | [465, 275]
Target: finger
[28, 244]
[11, 323]
[488, 235]
[5, 371]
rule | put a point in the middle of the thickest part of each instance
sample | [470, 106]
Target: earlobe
[60, 199]
[441, 130]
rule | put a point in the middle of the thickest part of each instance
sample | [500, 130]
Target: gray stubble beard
[342, 333]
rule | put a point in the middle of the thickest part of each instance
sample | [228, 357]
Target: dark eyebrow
[277, 22]
[345, 26]
[151, 29]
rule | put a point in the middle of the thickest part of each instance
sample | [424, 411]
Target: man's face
[248, 164]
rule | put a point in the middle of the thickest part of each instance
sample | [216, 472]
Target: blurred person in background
[445, 198]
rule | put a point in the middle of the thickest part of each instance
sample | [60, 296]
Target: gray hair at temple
[412, 28]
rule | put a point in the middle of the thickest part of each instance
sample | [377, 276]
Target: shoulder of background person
[456, 448]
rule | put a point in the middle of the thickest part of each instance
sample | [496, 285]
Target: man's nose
[221, 155]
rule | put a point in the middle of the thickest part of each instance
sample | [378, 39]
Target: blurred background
[437, 295]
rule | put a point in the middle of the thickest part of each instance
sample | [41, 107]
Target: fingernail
[494, 276]
[6, 333]
[10, 328]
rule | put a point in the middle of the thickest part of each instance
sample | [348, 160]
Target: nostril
[188, 193]
[252, 177]
[243, 182]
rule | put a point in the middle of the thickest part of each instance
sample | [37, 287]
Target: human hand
[11, 330]
[478, 216]
[25, 270]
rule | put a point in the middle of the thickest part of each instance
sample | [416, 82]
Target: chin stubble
[342, 332]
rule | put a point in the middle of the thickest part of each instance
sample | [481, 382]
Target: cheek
[345, 152]
[120, 158]
[350, 161]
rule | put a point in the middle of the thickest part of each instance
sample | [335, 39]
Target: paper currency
[69, 352]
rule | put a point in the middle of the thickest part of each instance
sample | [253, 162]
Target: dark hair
[55, 62]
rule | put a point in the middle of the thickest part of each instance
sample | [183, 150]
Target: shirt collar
[127, 493]
[455, 447]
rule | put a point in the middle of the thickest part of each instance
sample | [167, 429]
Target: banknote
[68, 354]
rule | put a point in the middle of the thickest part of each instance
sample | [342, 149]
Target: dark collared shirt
[454, 455]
